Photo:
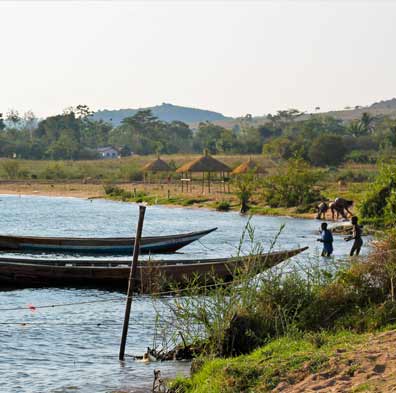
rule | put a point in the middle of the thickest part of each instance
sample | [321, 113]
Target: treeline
[320, 140]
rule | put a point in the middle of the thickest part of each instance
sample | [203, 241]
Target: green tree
[367, 123]
[364, 126]
[66, 147]
[283, 117]
[207, 136]
[327, 150]
[2, 124]
[13, 117]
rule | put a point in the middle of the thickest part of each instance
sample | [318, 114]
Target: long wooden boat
[99, 246]
[152, 276]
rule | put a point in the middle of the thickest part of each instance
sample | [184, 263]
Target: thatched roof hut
[157, 165]
[154, 167]
[248, 166]
[205, 165]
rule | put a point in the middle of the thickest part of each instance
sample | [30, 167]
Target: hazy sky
[232, 57]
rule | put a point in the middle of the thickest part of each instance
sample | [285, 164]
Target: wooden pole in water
[132, 274]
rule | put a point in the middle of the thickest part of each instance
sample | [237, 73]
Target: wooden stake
[132, 274]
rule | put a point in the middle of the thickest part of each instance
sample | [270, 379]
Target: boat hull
[99, 246]
[152, 276]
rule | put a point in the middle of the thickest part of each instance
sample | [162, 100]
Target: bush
[11, 169]
[54, 172]
[119, 193]
[244, 188]
[129, 173]
[223, 206]
[362, 157]
[293, 185]
[327, 150]
[379, 203]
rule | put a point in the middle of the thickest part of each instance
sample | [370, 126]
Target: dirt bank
[369, 368]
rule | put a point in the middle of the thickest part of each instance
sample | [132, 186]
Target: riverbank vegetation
[274, 330]
[379, 205]
[290, 187]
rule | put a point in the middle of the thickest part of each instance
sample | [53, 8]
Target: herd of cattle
[339, 207]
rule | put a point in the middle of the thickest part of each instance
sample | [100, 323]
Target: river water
[75, 348]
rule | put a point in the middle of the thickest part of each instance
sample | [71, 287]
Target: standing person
[356, 237]
[322, 210]
[326, 237]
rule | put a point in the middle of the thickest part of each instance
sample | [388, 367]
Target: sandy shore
[93, 190]
[77, 190]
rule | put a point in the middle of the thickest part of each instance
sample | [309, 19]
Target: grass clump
[223, 206]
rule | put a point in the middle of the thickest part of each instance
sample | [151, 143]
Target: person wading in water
[326, 238]
[356, 237]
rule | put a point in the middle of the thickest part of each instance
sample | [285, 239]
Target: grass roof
[205, 163]
[248, 166]
[157, 165]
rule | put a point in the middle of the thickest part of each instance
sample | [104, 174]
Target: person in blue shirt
[326, 237]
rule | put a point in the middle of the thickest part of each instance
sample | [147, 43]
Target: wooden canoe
[152, 276]
[99, 246]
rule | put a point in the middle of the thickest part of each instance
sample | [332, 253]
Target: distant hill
[165, 112]
[193, 116]
[387, 104]
[384, 108]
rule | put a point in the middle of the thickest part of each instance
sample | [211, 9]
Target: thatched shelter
[154, 167]
[249, 166]
[206, 165]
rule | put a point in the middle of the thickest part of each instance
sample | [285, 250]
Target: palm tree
[355, 128]
[367, 123]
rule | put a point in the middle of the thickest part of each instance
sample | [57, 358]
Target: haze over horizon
[234, 58]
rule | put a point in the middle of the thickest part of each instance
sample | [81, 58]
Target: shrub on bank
[292, 185]
[362, 156]
[379, 204]
[11, 168]
[223, 206]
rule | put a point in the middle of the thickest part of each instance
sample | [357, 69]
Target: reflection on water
[75, 348]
